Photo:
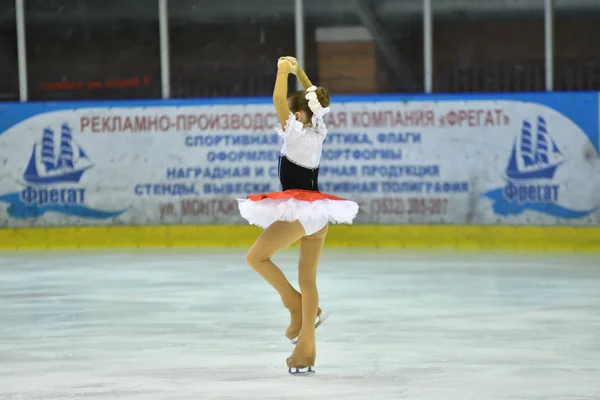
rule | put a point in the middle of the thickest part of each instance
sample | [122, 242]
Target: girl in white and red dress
[298, 213]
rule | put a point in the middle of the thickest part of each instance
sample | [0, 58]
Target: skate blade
[299, 372]
[321, 319]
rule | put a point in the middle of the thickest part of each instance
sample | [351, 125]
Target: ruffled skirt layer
[312, 209]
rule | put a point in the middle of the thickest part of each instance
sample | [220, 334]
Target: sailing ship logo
[532, 165]
[52, 180]
[61, 168]
[534, 157]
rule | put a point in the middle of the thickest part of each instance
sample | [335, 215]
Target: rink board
[526, 238]
[167, 173]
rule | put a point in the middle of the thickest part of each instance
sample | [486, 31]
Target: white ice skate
[301, 371]
[320, 320]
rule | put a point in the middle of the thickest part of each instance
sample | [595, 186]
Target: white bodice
[303, 145]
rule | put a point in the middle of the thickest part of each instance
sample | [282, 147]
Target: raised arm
[303, 78]
[299, 72]
[284, 68]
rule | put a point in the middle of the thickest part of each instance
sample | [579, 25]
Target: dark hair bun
[323, 96]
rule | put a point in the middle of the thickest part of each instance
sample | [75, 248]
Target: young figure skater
[300, 212]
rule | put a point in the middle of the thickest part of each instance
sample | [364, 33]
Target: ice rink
[195, 324]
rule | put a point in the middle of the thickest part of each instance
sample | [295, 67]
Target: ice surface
[201, 325]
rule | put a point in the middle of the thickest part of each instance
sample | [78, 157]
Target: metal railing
[528, 75]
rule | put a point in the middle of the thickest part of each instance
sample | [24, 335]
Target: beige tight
[277, 237]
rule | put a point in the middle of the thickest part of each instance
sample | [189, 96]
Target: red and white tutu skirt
[311, 208]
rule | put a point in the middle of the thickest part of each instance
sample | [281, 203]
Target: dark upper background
[229, 47]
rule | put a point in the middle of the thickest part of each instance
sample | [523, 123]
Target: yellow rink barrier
[563, 238]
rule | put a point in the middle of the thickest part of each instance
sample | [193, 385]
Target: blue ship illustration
[534, 157]
[59, 169]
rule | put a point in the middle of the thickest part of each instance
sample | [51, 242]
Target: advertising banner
[529, 159]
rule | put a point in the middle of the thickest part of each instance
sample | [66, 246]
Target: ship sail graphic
[534, 156]
[61, 169]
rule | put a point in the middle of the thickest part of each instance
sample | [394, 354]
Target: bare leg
[305, 353]
[277, 237]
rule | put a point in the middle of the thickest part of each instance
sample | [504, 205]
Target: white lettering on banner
[427, 162]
